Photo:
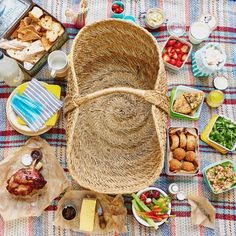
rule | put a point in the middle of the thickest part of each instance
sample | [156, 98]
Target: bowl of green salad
[223, 133]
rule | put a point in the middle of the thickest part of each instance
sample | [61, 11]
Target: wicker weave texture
[116, 108]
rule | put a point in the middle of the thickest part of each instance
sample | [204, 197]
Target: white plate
[139, 219]
[12, 118]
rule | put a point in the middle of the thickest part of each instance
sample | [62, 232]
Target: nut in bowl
[220, 176]
[186, 102]
[182, 151]
[151, 207]
[176, 52]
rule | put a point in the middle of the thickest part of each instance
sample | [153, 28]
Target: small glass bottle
[215, 98]
[10, 71]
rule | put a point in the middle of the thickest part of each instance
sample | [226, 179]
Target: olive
[69, 212]
[36, 154]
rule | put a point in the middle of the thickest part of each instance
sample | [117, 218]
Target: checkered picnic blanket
[187, 11]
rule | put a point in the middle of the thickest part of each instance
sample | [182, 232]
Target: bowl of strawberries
[176, 52]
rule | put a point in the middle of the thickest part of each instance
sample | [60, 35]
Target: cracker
[36, 26]
[27, 20]
[14, 34]
[46, 22]
[29, 35]
[56, 27]
[35, 13]
[46, 43]
[61, 32]
[51, 35]
[27, 28]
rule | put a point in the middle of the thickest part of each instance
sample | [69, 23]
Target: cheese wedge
[87, 215]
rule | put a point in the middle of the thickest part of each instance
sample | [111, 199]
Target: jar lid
[181, 196]
[176, 28]
[210, 20]
[26, 160]
[220, 83]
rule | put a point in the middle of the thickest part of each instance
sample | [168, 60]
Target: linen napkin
[202, 211]
[38, 94]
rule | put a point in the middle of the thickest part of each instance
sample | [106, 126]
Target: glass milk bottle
[10, 71]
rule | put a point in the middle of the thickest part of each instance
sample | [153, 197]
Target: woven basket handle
[156, 98]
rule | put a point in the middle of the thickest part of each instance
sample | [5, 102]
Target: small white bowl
[138, 218]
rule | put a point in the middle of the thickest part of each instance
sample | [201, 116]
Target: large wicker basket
[116, 108]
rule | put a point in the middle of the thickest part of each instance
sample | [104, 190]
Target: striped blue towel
[35, 116]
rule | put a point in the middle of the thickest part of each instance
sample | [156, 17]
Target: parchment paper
[14, 207]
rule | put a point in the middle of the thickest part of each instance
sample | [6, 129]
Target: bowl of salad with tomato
[176, 52]
[151, 207]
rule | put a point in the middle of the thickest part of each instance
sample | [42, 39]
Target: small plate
[139, 219]
[175, 93]
[12, 118]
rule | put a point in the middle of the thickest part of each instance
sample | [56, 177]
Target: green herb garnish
[224, 132]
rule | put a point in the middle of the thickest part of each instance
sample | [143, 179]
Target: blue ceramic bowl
[116, 15]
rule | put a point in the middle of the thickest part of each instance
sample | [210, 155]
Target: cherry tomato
[174, 55]
[115, 6]
[121, 9]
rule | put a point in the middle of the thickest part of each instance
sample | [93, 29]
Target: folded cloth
[38, 94]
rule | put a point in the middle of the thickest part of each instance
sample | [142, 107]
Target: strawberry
[179, 63]
[178, 45]
[166, 57]
[171, 42]
[174, 55]
[184, 57]
[172, 61]
[169, 49]
[185, 48]
[177, 50]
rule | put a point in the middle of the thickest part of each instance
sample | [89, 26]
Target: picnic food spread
[116, 111]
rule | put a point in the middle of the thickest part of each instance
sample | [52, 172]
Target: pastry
[182, 140]
[174, 141]
[188, 166]
[194, 99]
[175, 165]
[179, 154]
[191, 157]
[181, 105]
[191, 142]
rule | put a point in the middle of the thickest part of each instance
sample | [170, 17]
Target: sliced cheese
[87, 215]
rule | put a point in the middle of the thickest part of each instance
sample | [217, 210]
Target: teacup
[58, 64]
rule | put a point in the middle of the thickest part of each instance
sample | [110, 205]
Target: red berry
[172, 61]
[179, 63]
[171, 42]
[185, 48]
[178, 45]
[184, 57]
[174, 55]
[166, 57]
[177, 50]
